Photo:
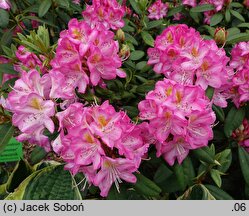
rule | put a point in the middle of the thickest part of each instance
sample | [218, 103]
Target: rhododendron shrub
[124, 99]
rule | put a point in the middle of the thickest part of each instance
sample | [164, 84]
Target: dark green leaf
[54, 183]
[175, 10]
[6, 132]
[219, 113]
[4, 18]
[237, 15]
[218, 193]
[204, 154]
[7, 68]
[154, 24]
[162, 173]
[216, 19]
[178, 170]
[215, 174]
[236, 4]
[130, 38]
[63, 3]
[22, 170]
[227, 15]
[44, 7]
[37, 154]
[225, 159]
[202, 8]
[135, 6]
[148, 39]
[140, 65]
[210, 92]
[146, 187]
[244, 163]
[238, 38]
[233, 120]
[136, 55]
[243, 25]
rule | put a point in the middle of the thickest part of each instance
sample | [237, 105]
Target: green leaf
[225, 159]
[146, 187]
[227, 15]
[204, 154]
[202, 8]
[4, 18]
[135, 6]
[181, 180]
[141, 65]
[12, 151]
[237, 15]
[243, 25]
[146, 87]
[6, 132]
[233, 120]
[219, 113]
[244, 163]
[154, 24]
[206, 194]
[7, 68]
[162, 173]
[238, 38]
[19, 192]
[37, 154]
[7, 37]
[210, 92]
[115, 195]
[21, 171]
[175, 10]
[63, 3]
[130, 38]
[136, 55]
[216, 19]
[218, 193]
[215, 174]
[148, 39]
[236, 4]
[44, 7]
[53, 183]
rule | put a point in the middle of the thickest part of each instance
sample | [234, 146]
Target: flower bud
[246, 3]
[124, 53]
[220, 35]
[120, 35]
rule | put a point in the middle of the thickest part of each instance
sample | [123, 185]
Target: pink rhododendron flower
[183, 56]
[180, 118]
[113, 171]
[32, 107]
[158, 10]
[191, 3]
[238, 90]
[5, 4]
[84, 56]
[102, 143]
[28, 60]
[105, 13]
